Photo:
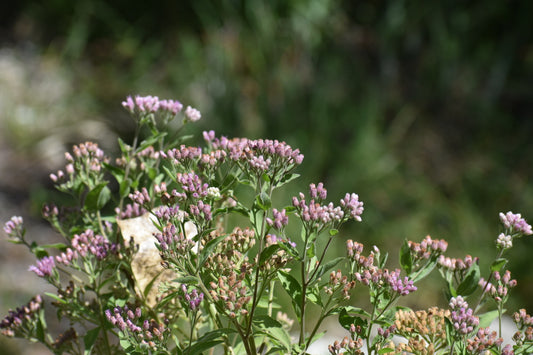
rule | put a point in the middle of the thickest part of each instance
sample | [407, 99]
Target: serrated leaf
[286, 179]
[263, 201]
[426, 270]
[207, 341]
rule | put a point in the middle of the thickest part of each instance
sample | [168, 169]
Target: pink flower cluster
[13, 227]
[462, 317]
[459, 265]
[151, 104]
[499, 291]
[44, 267]
[260, 154]
[87, 243]
[384, 277]
[516, 223]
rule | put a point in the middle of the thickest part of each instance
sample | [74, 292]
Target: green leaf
[347, 320]
[124, 188]
[268, 252]
[486, 319]
[426, 270]
[58, 246]
[117, 172]
[90, 338]
[498, 264]
[188, 280]
[294, 289]
[286, 179]
[406, 260]
[207, 341]
[470, 283]
[333, 232]
[274, 330]
[263, 201]
[97, 197]
[385, 350]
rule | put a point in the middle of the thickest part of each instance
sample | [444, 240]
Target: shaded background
[424, 108]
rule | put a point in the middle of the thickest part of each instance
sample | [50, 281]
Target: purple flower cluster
[151, 104]
[141, 198]
[87, 243]
[462, 317]
[192, 298]
[12, 324]
[170, 241]
[13, 228]
[280, 219]
[125, 320]
[44, 267]
[515, 223]
[384, 277]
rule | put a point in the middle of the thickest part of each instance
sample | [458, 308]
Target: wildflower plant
[149, 263]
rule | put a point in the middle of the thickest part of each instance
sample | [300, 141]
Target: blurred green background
[423, 108]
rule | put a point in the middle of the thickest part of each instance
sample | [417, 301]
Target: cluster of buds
[21, 321]
[463, 319]
[515, 224]
[230, 253]
[131, 210]
[193, 298]
[280, 258]
[232, 291]
[14, 229]
[384, 278]
[192, 114]
[459, 268]
[184, 156]
[504, 241]
[349, 345]
[262, 155]
[44, 267]
[427, 248]
[484, 340]
[151, 104]
[524, 323]
[337, 281]
[504, 283]
[87, 243]
[280, 219]
[172, 243]
[149, 333]
[87, 162]
[420, 325]
[141, 198]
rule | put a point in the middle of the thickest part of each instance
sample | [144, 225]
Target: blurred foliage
[422, 107]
